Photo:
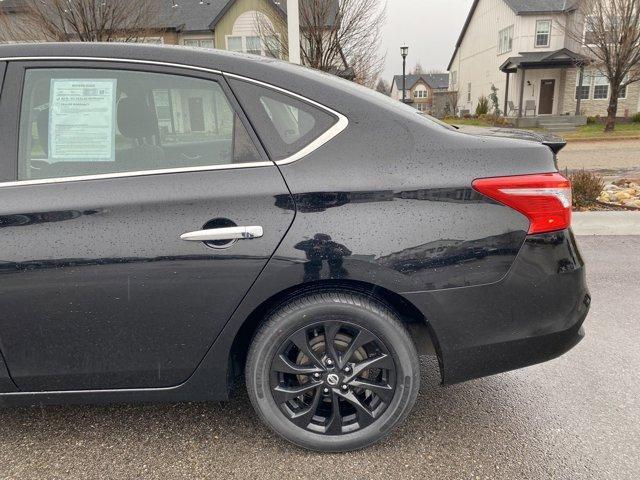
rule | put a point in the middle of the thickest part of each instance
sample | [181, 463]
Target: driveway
[572, 418]
[611, 158]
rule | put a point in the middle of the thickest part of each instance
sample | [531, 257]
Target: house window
[505, 40]
[422, 107]
[590, 36]
[420, 94]
[234, 44]
[272, 46]
[543, 33]
[469, 92]
[199, 42]
[254, 45]
[601, 87]
[454, 78]
[584, 91]
[623, 90]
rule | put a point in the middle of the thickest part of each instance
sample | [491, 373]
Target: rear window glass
[285, 124]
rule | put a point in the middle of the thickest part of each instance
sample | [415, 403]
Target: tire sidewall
[388, 330]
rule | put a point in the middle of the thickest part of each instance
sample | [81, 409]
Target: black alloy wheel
[332, 371]
[333, 377]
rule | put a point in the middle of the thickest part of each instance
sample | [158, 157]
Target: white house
[522, 48]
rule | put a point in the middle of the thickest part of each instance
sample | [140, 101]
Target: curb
[606, 223]
[601, 139]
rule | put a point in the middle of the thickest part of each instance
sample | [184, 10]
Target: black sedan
[172, 219]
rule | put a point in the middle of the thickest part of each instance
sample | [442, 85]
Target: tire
[290, 365]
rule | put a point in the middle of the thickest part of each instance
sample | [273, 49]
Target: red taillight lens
[544, 198]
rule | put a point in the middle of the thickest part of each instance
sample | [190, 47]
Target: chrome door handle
[227, 233]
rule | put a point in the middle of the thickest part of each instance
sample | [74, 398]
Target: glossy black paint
[109, 296]
[104, 301]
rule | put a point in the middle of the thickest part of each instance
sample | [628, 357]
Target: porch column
[520, 106]
[579, 90]
[506, 96]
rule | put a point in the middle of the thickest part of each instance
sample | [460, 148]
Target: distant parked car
[172, 218]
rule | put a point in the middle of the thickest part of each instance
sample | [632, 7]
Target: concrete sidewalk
[606, 223]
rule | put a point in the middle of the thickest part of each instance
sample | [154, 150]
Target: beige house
[224, 24]
[521, 47]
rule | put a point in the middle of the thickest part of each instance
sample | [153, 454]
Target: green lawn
[596, 132]
[586, 132]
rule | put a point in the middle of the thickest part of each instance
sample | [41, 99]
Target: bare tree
[418, 70]
[383, 86]
[452, 101]
[334, 36]
[80, 20]
[610, 31]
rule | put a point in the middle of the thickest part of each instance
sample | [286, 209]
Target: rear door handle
[226, 233]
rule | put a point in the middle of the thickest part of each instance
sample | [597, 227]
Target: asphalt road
[610, 158]
[572, 418]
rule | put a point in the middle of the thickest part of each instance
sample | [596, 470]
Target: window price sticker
[82, 120]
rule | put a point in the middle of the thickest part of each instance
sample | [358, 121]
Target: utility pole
[293, 29]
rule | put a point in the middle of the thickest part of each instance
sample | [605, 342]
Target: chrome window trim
[334, 130]
[137, 173]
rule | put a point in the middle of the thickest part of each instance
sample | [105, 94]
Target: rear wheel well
[417, 325]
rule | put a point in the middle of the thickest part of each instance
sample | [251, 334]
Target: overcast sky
[429, 28]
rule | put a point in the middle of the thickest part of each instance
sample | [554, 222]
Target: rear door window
[77, 122]
[285, 124]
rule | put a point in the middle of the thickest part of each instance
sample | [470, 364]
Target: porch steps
[558, 127]
[557, 124]
[551, 123]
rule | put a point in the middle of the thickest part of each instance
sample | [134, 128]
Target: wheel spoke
[330, 331]
[361, 338]
[365, 417]
[284, 365]
[381, 361]
[334, 424]
[303, 418]
[284, 394]
[299, 339]
[385, 392]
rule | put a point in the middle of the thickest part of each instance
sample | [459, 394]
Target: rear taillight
[544, 198]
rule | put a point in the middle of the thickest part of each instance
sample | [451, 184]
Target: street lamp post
[404, 50]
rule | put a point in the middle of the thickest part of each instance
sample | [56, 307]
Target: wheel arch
[417, 324]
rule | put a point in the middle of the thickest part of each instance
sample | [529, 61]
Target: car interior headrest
[136, 119]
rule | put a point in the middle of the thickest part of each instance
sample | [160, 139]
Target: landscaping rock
[623, 192]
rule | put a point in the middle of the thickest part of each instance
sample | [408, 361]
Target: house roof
[520, 7]
[557, 58]
[434, 80]
[183, 15]
[11, 6]
[528, 7]
[190, 15]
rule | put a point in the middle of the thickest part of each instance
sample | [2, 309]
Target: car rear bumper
[535, 313]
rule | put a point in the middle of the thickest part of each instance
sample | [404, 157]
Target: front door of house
[547, 88]
[196, 114]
